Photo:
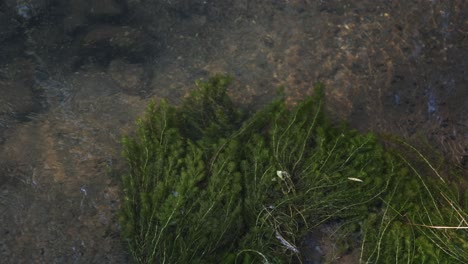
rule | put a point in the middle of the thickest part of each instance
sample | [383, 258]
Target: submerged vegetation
[210, 183]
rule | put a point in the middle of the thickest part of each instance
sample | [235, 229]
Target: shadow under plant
[209, 183]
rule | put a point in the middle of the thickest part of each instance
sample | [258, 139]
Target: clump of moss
[208, 183]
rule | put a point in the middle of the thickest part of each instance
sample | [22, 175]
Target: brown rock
[128, 76]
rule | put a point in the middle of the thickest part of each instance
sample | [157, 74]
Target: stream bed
[74, 78]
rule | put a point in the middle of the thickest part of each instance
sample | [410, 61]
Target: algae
[209, 182]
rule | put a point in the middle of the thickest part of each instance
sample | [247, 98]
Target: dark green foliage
[424, 220]
[208, 112]
[173, 210]
[208, 184]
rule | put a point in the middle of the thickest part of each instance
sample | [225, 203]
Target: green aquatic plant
[209, 183]
[174, 210]
[423, 220]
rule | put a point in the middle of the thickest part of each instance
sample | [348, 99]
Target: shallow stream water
[67, 97]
